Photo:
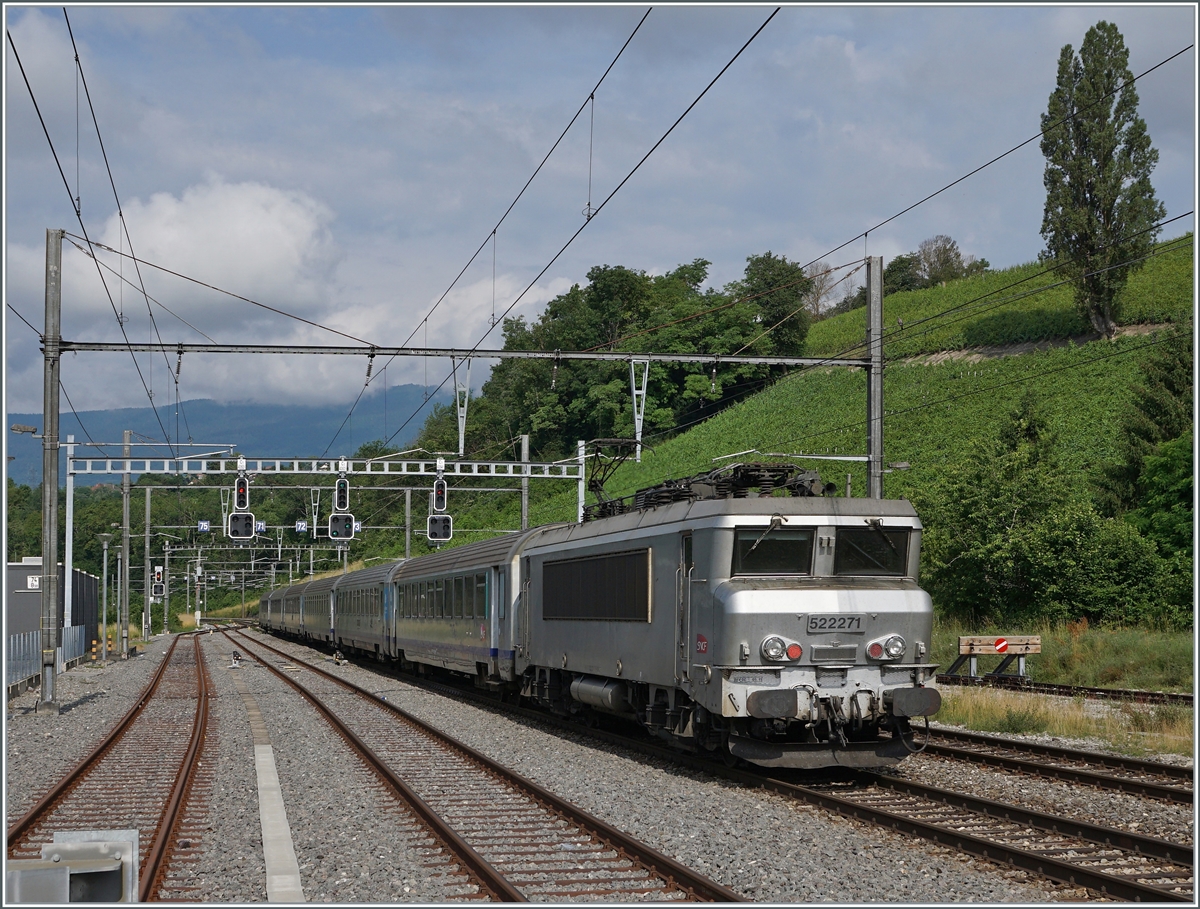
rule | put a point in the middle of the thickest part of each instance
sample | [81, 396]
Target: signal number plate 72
[844, 622]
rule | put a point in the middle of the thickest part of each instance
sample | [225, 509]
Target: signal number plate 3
[850, 623]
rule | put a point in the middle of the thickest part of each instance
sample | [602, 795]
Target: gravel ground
[759, 844]
[335, 817]
[40, 748]
[762, 845]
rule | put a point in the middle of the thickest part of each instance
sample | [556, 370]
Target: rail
[674, 876]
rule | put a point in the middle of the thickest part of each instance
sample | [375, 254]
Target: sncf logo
[701, 644]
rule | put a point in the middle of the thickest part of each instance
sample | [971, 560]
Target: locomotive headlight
[894, 647]
[774, 648]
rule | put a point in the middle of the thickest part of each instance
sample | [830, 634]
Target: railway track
[518, 840]
[142, 776]
[1143, 778]
[1108, 861]
[1106, 694]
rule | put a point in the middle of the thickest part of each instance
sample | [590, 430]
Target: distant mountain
[257, 430]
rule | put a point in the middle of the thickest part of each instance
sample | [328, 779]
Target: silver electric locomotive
[736, 612]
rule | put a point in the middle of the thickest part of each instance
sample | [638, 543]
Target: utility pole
[582, 455]
[525, 481]
[875, 377]
[123, 608]
[105, 539]
[166, 587]
[69, 541]
[51, 366]
[407, 525]
[146, 577]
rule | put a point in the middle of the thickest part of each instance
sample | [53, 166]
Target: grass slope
[1010, 306]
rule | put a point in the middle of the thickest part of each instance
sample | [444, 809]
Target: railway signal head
[158, 574]
[241, 494]
[241, 526]
[439, 495]
[158, 589]
[341, 495]
[341, 527]
[440, 528]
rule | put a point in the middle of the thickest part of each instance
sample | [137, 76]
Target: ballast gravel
[353, 845]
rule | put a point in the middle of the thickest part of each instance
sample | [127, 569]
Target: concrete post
[875, 377]
[408, 523]
[51, 342]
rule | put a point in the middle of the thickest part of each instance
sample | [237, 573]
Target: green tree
[1161, 410]
[1009, 541]
[1100, 211]
[779, 287]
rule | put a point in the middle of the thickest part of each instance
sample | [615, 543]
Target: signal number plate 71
[844, 622]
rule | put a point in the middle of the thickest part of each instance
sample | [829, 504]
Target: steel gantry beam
[555, 470]
[461, 353]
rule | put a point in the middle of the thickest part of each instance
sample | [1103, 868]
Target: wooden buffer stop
[1011, 647]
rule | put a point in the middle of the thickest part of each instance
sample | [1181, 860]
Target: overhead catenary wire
[931, 195]
[82, 227]
[116, 198]
[156, 302]
[856, 424]
[228, 293]
[610, 196]
[1017, 147]
[492, 235]
[798, 374]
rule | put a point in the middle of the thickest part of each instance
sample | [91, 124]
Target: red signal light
[794, 651]
[875, 650]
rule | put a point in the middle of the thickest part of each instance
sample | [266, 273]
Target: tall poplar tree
[1100, 207]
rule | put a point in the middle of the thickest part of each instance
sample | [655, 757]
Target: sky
[343, 164]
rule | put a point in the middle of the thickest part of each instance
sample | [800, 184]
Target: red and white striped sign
[1001, 645]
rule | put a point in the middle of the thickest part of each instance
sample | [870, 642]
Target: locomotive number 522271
[820, 623]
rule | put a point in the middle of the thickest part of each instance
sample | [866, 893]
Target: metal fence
[25, 652]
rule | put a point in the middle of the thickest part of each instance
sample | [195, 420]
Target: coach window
[459, 597]
[481, 596]
[772, 550]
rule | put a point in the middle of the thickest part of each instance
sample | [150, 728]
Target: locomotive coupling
[913, 701]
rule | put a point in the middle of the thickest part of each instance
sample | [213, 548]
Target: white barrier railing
[25, 652]
[73, 646]
[24, 656]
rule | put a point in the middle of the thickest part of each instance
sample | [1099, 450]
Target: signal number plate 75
[844, 622]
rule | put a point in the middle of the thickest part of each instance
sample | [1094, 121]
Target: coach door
[683, 607]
